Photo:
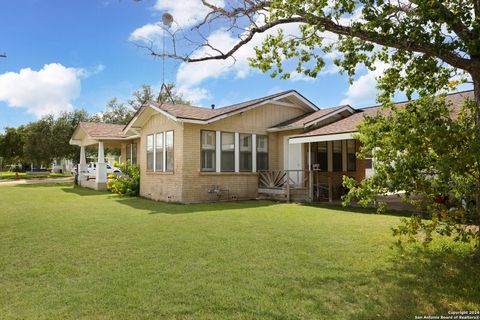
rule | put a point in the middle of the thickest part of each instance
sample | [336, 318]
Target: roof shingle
[350, 123]
[103, 129]
[200, 113]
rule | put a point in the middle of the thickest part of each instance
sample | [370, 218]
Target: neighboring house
[62, 166]
[280, 146]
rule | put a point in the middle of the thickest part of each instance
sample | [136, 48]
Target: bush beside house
[128, 183]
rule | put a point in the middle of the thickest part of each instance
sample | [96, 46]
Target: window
[262, 152]
[228, 151]
[208, 145]
[169, 151]
[351, 155]
[245, 152]
[134, 153]
[150, 149]
[369, 163]
[159, 152]
[337, 156]
[131, 153]
[320, 155]
[128, 151]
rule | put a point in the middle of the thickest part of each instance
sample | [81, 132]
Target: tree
[122, 112]
[63, 128]
[427, 45]
[39, 146]
[427, 151]
[116, 112]
[11, 145]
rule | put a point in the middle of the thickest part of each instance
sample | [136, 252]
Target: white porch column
[101, 172]
[82, 168]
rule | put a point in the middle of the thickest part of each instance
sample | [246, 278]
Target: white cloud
[147, 33]
[85, 73]
[47, 91]
[194, 95]
[364, 89]
[186, 13]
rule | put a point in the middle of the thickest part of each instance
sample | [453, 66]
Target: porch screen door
[292, 160]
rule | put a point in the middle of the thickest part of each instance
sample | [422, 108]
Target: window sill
[152, 173]
[208, 173]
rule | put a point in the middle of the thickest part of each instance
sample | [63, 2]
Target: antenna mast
[167, 20]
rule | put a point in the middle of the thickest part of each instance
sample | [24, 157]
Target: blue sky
[79, 54]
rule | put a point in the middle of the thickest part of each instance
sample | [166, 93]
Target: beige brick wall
[187, 183]
[162, 186]
[196, 184]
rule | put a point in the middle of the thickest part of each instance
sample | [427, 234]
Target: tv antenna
[167, 20]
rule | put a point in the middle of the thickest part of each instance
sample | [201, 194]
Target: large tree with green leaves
[427, 45]
[11, 145]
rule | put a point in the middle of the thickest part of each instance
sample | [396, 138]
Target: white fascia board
[75, 142]
[325, 137]
[166, 114]
[346, 108]
[297, 95]
[117, 138]
[283, 129]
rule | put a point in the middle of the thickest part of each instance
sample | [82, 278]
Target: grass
[7, 175]
[72, 253]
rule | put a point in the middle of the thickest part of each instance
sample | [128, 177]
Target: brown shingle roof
[103, 129]
[199, 113]
[350, 123]
[300, 121]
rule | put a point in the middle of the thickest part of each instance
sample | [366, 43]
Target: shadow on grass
[154, 207]
[67, 187]
[425, 282]
[355, 209]
[416, 283]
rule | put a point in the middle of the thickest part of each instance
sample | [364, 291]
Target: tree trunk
[476, 87]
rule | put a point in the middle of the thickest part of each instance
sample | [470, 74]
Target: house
[281, 146]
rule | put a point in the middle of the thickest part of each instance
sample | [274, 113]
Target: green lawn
[72, 253]
[7, 175]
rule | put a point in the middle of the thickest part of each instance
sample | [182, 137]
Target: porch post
[101, 172]
[82, 170]
[310, 173]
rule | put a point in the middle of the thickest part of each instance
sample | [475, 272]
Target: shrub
[128, 183]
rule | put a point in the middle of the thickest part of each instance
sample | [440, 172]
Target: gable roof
[88, 133]
[185, 113]
[350, 124]
[310, 118]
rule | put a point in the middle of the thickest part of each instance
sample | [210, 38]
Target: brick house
[281, 146]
